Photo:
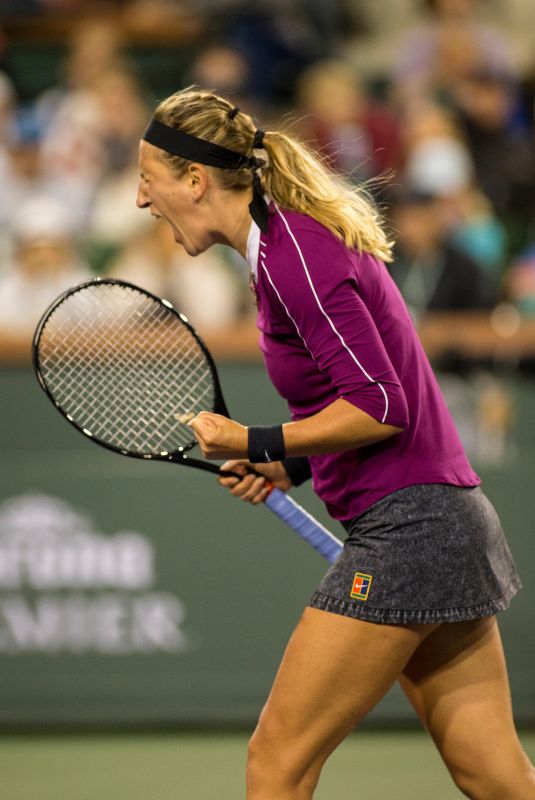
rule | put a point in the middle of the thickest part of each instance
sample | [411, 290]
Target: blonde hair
[293, 175]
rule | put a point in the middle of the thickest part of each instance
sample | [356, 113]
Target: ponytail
[292, 175]
[297, 179]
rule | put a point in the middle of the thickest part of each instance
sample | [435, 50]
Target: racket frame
[176, 456]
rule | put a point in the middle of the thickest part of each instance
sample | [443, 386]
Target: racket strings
[97, 382]
[123, 367]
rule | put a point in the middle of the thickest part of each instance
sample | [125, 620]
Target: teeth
[185, 418]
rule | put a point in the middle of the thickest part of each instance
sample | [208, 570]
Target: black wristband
[265, 443]
[297, 469]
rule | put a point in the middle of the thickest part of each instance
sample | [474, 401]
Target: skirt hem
[388, 616]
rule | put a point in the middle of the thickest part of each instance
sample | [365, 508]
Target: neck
[234, 220]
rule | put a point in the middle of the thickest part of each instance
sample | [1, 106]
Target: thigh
[334, 670]
[457, 681]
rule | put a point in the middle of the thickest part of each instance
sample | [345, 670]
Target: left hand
[219, 437]
[254, 487]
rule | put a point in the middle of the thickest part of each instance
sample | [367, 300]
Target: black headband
[194, 149]
[214, 155]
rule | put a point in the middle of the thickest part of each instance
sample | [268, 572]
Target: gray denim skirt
[424, 554]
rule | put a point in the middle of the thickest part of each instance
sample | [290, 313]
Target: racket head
[125, 368]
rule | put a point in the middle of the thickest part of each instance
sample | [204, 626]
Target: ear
[197, 179]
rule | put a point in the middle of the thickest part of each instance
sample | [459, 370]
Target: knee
[486, 782]
[276, 763]
[266, 753]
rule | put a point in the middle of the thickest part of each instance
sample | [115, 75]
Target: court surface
[207, 766]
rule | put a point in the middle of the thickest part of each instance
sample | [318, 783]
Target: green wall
[141, 594]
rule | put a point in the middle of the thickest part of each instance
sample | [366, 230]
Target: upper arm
[318, 291]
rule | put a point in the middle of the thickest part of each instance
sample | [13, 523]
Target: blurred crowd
[443, 137]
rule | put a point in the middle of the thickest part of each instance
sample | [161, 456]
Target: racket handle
[304, 525]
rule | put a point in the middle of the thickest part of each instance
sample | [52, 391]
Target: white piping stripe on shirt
[329, 320]
[283, 304]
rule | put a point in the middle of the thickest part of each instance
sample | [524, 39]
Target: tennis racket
[129, 372]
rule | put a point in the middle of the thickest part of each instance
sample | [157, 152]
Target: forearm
[338, 427]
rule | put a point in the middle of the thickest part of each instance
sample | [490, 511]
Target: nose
[142, 199]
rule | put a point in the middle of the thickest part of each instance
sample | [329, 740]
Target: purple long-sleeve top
[334, 325]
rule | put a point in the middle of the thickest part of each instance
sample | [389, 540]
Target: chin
[190, 249]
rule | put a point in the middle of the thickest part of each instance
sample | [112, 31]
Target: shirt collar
[253, 245]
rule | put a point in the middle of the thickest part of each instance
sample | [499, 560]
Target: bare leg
[334, 671]
[457, 682]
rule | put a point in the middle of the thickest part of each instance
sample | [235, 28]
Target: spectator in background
[94, 46]
[437, 53]
[431, 273]
[224, 69]
[120, 111]
[502, 151]
[359, 137]
[471, 224]
[45, 262]
[278, 40]
[22, 177]
[426, 121]
[20, 167]
[227, 70]
[438, 163]
[121, 106]
[74, 147]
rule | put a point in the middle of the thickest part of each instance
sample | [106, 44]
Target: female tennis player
[425, 567]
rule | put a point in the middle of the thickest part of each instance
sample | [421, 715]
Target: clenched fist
[218, 436]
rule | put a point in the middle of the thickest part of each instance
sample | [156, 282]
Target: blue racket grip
[304, 524]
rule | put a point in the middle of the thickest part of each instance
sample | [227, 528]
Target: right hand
[255, 488]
